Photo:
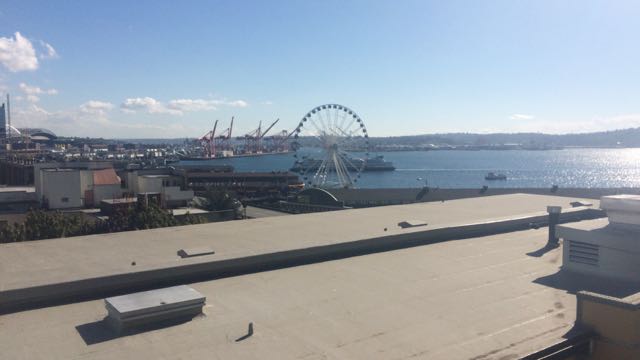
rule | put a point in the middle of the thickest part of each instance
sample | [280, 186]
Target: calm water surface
[466, 169]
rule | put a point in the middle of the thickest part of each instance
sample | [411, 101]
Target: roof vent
[148, 308]
[583, 253]
[411, 223]
[580, 203]
[187, 253]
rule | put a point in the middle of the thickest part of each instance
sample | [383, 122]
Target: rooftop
[478, 297]
[105, 177]
[471, 299]
[86, 257]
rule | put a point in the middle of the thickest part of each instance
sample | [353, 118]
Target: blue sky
[169, 69]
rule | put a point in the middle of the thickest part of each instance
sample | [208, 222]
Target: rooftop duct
[153, 307]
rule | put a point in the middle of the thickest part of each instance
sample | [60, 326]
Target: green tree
[190, 219]
[41, 224]
[220, 199]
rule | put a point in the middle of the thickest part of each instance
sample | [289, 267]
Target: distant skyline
[166, 69]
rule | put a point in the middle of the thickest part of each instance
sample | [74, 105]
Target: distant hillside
[616, 138]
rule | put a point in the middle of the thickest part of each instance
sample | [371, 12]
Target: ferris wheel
[322, 142]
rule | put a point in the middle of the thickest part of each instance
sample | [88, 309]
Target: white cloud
[49, 51]
[92, 118]
[177, 106]
[148, 105]
[192, 105]
[96, 107]
[17, 53]
[237, 103]
[35, 90]
[32, 92]
[267, 102]
[521, 117]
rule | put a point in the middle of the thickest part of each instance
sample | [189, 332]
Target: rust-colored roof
[105, 177]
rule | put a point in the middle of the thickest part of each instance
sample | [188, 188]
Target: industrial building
[462, 279]
[78, 184]
[247, 184]
[16, 171]
[162, 181]
[70, 188]
[244, 184]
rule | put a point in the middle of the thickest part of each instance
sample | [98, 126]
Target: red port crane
[208, 141]
[253, 139]
[225, 137]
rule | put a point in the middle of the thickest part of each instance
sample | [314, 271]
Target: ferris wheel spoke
[321, 173]
[344, 118]
[350, 135]
[348, 138]
[336, 119]
[338, 168]
[325, 128]
[333, 125]
[345, 157]
[318, 129]
[343, 141]
[343, 169]
[327, 114]
[330, 124]
[348, 127]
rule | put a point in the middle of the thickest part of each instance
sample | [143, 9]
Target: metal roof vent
[412, 223]
[584, 253]
[148, 308]
[201, 251]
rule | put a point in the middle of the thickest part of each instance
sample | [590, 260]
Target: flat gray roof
[478, 298]
[45, 262]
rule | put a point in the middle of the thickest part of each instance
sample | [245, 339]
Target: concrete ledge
[83, 289]
[629, 303]
[615, 320]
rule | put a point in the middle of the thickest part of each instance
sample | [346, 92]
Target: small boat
[494, 176]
